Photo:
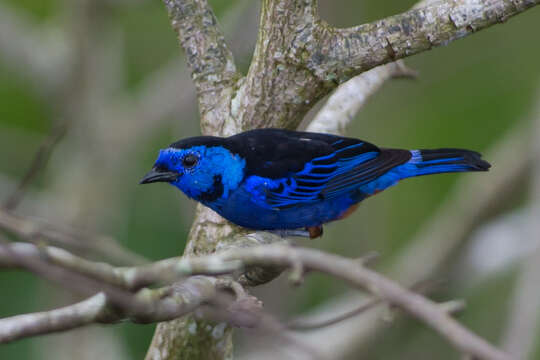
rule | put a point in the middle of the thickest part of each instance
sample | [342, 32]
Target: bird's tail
[425, 162]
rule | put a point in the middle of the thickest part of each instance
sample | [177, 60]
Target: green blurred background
[468, 94]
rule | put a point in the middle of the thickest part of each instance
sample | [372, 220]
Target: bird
[294, 182]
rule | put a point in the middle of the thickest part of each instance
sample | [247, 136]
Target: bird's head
[202, 167]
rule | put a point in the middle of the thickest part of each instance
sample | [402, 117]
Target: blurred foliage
[40, 10]
[467, 95]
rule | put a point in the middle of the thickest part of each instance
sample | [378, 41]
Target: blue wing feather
[344, 167]
[365, 172]
[350, 165]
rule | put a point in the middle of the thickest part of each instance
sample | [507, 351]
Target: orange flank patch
[348, 212]
[376, 192]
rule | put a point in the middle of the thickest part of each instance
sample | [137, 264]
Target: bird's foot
[314, 231]
[311, 232]
[285, 233]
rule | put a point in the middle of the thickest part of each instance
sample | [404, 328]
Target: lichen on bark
[190, 338]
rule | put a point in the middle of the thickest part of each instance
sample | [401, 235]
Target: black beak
[156, 175]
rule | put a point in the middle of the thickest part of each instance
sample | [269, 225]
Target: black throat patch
[214, 192]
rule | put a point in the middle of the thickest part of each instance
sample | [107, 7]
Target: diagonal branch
[39, 162]
[129, 278]
[33, 230]
[342, 53]
[211, 62]
[66, 318]
[343, 105]
[303, 324]
[347, 100]
[360, 277]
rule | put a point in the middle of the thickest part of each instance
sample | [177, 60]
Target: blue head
[202, 167]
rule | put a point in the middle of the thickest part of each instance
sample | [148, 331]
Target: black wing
[311, 166]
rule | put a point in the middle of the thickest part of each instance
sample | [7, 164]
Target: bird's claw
[285, 233]
[310, 232]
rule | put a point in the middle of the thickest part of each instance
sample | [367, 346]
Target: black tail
[447, 160]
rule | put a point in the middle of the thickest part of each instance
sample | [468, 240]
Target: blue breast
[247, 205]
[243, 208]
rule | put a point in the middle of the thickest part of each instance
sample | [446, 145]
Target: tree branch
[129, 278]
[112, 306]
[344, 104]
[40, 160]
[211, 62]
[33, 230]
[145, 305]
[86, 312]
[367, 304]
[148, 308]
[347, 100]
[277, 92]
[341, 53]
[360, 277]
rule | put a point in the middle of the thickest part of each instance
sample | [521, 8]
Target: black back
[276, 153]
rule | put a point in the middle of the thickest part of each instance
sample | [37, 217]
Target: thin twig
[300, 325]
[35, 230]
[129, 278]
[39, 162]
[303, 325]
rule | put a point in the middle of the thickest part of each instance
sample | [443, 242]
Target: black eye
[189, 161]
